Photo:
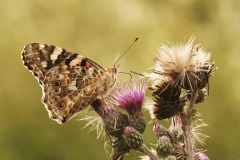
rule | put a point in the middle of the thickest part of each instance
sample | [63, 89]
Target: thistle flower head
[113, 120]
[162, 87]
[188, 65]
[129, 96]
[160, 109]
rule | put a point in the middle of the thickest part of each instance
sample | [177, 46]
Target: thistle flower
[114, 121]
[177, 68]
[160, 109]
[162, 87]
[130, 96]
[187, 65]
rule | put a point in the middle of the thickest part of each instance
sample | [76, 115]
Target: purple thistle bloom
[129, 96]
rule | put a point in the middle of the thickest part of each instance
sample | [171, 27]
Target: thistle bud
[133, 138]
[138, 122]
[164, 147]
[159, 131]
[177, 134]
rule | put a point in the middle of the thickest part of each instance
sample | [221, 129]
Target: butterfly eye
[114, 70]
[61, 105]
[57, 90]
[57, 83]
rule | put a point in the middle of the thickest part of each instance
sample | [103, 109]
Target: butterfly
[69, 81]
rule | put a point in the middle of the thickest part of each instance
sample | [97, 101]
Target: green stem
[187, 127]
[193, 100]
[146, 151]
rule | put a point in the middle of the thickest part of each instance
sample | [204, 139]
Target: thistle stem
[146, 151]
[187, 119]
[193, 99]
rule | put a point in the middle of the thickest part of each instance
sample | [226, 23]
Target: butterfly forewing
[40, 58]
[69, 81]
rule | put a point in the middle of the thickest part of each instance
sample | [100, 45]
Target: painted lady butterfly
[69, 81]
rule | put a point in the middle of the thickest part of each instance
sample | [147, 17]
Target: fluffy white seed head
[187, 64]
[188, 56]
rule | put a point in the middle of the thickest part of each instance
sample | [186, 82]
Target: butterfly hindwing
[69, 89]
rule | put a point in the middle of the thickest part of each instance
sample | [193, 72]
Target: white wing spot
[72, 86]
[57, 51]
[44, 63]
[90, 71]
[41, 46]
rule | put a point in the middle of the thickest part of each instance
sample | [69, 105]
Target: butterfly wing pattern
[69, 81]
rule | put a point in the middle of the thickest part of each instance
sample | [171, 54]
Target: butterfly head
[113, 72]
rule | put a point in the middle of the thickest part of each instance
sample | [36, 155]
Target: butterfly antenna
[140, 74]
[119, 53]
[128, 74]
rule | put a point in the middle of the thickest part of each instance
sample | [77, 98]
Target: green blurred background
[98, 30]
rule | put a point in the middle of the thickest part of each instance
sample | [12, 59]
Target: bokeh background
[98, 30]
